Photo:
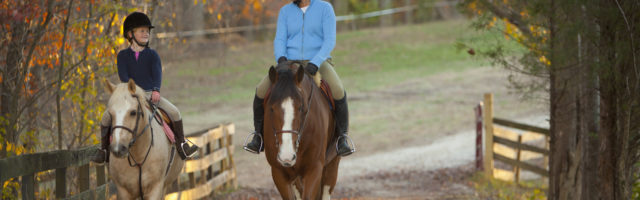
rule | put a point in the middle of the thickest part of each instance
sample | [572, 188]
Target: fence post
[83, 178]
[385, 20]
[408, 15]
[223, 144]
[488, 139]
[516, 169]
[234, 182]
[478, 110]
[61, 183]
[28, 186]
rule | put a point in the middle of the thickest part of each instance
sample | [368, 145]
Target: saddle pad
[164, 118]
[168, 132]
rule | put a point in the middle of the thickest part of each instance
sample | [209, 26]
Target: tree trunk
[566, 144]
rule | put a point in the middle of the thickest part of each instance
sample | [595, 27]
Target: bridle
[139, 115]
[301, 127]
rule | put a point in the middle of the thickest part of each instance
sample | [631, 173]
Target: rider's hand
[155, 97]
[311, 68]
[282, 59]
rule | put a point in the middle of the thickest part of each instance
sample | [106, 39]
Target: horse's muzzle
[120, 151]
[287, 162]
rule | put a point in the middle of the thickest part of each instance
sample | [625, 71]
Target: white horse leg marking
[295, 191]
[287, 151]
[325, 192]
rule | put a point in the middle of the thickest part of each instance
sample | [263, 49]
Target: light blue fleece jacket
[306, 36]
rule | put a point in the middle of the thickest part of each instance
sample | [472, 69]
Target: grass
[365, 60]
[497, 189]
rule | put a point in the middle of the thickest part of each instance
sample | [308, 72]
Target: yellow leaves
[544, 60]
[16, 149]
[120, 41]
[219, 17]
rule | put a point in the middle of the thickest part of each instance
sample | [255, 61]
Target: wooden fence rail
[216, 147]
[510, 148]
[217, 152]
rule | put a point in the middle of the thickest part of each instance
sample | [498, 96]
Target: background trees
[587, 53]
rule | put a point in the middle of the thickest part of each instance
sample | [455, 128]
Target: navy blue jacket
[146, 71]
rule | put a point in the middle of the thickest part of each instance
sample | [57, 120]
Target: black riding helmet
[135, 20]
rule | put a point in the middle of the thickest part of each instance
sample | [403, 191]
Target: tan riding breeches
[326, 71]
[164, 104]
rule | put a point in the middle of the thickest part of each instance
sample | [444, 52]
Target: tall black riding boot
[103, 153]
[184, 149]
[256, 146]
[342, 126]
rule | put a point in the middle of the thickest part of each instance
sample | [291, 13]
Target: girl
[142, 64]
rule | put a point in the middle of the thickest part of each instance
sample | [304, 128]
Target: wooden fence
[511, 143]
[214, 168]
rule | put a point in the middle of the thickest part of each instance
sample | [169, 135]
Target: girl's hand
[155, 97]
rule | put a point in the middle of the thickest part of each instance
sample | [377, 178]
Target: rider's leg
[105, 128]
[341, 109]
[185, 150]
[256, 146]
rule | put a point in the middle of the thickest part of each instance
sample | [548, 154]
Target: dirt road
[414, 138]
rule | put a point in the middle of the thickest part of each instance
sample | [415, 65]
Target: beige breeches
[326, 71]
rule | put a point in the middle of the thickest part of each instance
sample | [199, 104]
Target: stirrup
[352, 146]
[184, 152]
[251, 150]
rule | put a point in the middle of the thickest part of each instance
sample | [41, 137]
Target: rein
[302, 123]
[135, 137]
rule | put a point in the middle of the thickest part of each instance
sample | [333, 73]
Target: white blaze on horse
[142, 155]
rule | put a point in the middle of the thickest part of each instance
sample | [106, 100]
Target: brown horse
[298, 130]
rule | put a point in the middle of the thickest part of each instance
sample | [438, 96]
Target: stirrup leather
[251, 150]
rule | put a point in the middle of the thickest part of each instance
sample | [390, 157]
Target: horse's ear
[132, 86]
[272, 74]
[109, 86]
[299, 74]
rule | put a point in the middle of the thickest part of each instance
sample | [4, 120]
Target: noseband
[302, 123]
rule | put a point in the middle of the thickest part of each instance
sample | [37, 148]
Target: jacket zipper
[302, 44]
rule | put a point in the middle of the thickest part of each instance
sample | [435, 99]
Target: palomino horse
[298, 130]
[142, 157]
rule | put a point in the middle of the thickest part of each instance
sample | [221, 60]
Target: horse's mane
[285, 85]
[121, 91]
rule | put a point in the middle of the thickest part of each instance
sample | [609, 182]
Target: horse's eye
[133, 113]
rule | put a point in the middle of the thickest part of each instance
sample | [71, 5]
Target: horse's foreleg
[283, 184]
[329, 178]
[123, 194]
[311, 182]
[157, 192]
